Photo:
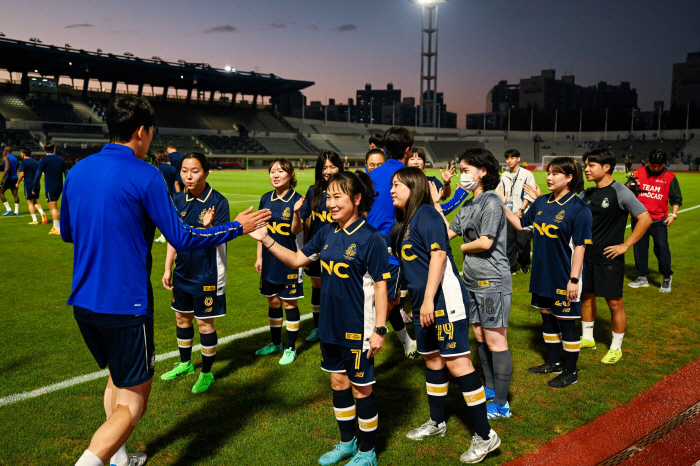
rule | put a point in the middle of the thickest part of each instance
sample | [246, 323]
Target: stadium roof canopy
[50, 60]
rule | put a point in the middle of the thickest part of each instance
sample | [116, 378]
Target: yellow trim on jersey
[386, 276]
[551, 199]
[337, 229]
[200, 200]
[353, 336]
[440, 313]
[291, 193]
[483, 283]
[434, 246]
[588, 241]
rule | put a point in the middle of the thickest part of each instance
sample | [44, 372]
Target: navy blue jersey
[170, 174]
[438, 183]
[28, 167]
[559, 226]
[319, 218]
[280, 229]
[176, 162]
[12, 172]
[427, 232]
[202, 272]
[111, 206]
[52, 167]
[352, 259]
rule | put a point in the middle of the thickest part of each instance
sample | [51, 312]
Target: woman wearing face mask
[442, 191]
[562, 229]
[315, 215]
[354, 269]
[280, 284]
[441, 310]
[481, 222]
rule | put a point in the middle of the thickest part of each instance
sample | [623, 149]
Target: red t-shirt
[655, 192]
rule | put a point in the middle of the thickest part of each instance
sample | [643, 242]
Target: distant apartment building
[685, 85]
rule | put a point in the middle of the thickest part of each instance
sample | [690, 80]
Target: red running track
[624, 426]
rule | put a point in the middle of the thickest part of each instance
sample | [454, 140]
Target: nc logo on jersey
[208, 301]
[335, 269]
[560, 216]
[545, 229]
[286, 214]
[323, 216]
[406, 253]
[279, 228]
[350, 252]
[605, 204]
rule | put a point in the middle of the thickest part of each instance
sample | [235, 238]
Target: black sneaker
[546, 368]
[563, 380]
[525, 269]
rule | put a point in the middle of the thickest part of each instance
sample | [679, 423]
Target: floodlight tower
[428, 61]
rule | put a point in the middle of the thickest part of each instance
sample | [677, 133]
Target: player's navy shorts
[558, 307]
[354, 362]
[313, 270]
[122, 343]
[450, 338]
[393, 284]
[9, 184]
[203, 307]
[52, 196]
[288, 291]
[29, 196]
[490, 310]
[603, 280]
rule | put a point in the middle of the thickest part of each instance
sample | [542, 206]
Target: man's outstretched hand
[251, 221]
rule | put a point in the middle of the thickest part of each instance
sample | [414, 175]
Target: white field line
[11, 399]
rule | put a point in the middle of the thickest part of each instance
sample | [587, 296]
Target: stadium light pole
[430, 9]
[632, 123]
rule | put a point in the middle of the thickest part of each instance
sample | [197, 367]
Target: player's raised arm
[289, 258]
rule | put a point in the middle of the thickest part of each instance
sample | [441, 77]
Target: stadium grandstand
[60, 94]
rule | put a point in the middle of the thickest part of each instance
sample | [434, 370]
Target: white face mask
[467, 181]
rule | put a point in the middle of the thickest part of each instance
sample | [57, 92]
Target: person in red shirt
[659, 188]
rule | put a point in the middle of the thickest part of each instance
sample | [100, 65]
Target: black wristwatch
[381, 331]
[574, 280]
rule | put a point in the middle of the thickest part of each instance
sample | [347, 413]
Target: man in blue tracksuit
[112, 204]
[53, 167]
[398, 142]
[8, 180]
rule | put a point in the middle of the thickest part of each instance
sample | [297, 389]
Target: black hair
[483, 158]
[416, 181]
[26, 151]
[396, 140]
[372, 152]
[49, 148]
[201, 157]
[419, 151]
[353, 184]
[286, 166]
[658, 156]
[319, 183]
[602, 156]
[512, 153]
[376, 139]
[566, 166]
[126, 114]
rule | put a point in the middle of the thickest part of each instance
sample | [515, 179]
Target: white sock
[617, 341]
[34, 218]
[587, 328]
[41, 212]
[57, 224]
[405, 339]
[89, 459]
[16, 208]
[120, 458]
[7, 205]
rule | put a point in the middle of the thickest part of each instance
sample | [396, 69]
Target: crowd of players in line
[362, 237]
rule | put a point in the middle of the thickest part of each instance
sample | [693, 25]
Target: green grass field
[261, 413]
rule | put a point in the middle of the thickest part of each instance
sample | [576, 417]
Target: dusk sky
[341, 45]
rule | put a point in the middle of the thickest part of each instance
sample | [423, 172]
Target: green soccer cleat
[341, 451]
[313, 336]
[288, 357]
[612, 356]
[180, 368]
[203, 382]
[270, 348]
[364, 458]
[587, 344]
